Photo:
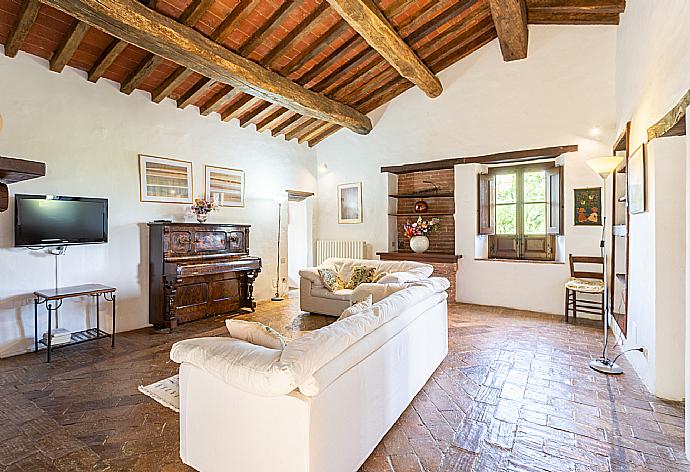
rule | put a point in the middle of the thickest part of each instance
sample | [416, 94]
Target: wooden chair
[584, 282]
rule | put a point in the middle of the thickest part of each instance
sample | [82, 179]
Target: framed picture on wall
[637, 180]
[225, 186]
[350, 203]
[588, 206]
[165, 180]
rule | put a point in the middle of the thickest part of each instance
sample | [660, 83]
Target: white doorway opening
[299, 235]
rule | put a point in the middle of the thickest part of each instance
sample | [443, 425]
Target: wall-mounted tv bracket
[16, 170]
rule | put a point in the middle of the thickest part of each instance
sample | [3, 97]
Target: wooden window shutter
[538, 248]
[486, 202]
[554, 196]
[504, 246]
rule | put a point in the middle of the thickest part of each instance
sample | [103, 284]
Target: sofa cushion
[358, 307]
[255, 333]
[249, 367]
[378, 276]
[323, 292]
[330, 279]
[360, 275]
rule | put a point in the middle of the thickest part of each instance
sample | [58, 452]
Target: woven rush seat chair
[585, 282]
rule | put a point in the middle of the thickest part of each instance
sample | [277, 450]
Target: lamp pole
[604, 167]
[277, 297]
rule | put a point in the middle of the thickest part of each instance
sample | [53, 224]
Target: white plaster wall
[652, 74]
[555, 97]
[89, 136]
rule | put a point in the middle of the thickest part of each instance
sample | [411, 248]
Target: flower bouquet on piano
[202, 208]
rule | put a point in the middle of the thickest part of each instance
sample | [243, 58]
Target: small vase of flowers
[418, 233]
[202, 208]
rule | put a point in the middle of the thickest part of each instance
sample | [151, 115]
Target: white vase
[419, 243]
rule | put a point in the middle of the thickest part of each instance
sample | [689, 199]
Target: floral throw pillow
[360, 275]
[330, 279]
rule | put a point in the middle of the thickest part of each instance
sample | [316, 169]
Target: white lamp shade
[604, 165]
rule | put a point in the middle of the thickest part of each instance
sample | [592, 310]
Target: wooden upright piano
[198, 270]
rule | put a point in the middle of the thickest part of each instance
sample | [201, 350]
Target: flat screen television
[50, 220]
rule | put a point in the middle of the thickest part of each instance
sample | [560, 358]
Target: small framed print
[350, 203]
[225, 186]
[165, 180]
[588, 206]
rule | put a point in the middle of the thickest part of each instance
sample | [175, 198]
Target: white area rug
[166, 392]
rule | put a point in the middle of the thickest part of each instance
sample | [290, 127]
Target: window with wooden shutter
[520, 209]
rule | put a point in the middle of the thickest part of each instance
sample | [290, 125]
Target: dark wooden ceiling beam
[308, 135]
[314, 49]
[68, 46]
[297, 129]
[137, 76]
[107, 58]
[365, 17]
[510, 18]
[189, 17]
[236, 108]
[246, 118]
[219, 100]
[296, 35]
[323, 135]
[165, 37]
[171, 83]
[25, 18]
[287, 120]
[269, 26]
[294, 124]
[198, 90]
[266, 122]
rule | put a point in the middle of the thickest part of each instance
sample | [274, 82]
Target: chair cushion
[585, 285]
[255, 333]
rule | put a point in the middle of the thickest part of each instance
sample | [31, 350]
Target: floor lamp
[278, 298]
[604, 166]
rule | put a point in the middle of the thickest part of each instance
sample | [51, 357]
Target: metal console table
[53, 299]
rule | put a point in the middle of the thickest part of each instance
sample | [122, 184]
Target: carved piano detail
[199, 270]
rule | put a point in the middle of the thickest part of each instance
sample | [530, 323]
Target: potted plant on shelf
[202, 208]
[418, 233]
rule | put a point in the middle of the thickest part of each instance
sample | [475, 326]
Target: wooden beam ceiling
[165, 37]
[510, 18]
[365, 17]
[27, 16]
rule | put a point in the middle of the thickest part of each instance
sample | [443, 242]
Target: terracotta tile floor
[514, 394]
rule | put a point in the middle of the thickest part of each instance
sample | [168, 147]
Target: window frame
[521, 246]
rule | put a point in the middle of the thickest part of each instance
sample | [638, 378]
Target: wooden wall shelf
[419, 257]
[17, 170]
[421, 214]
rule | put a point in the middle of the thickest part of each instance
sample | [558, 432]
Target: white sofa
[320, 405]
[314, 297]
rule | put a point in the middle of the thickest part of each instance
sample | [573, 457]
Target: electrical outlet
[283, 260]
[645, 352]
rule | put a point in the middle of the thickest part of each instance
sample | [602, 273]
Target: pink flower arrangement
[421, 227]
[203, 207]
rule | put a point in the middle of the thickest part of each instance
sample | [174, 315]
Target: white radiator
[346, 249]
